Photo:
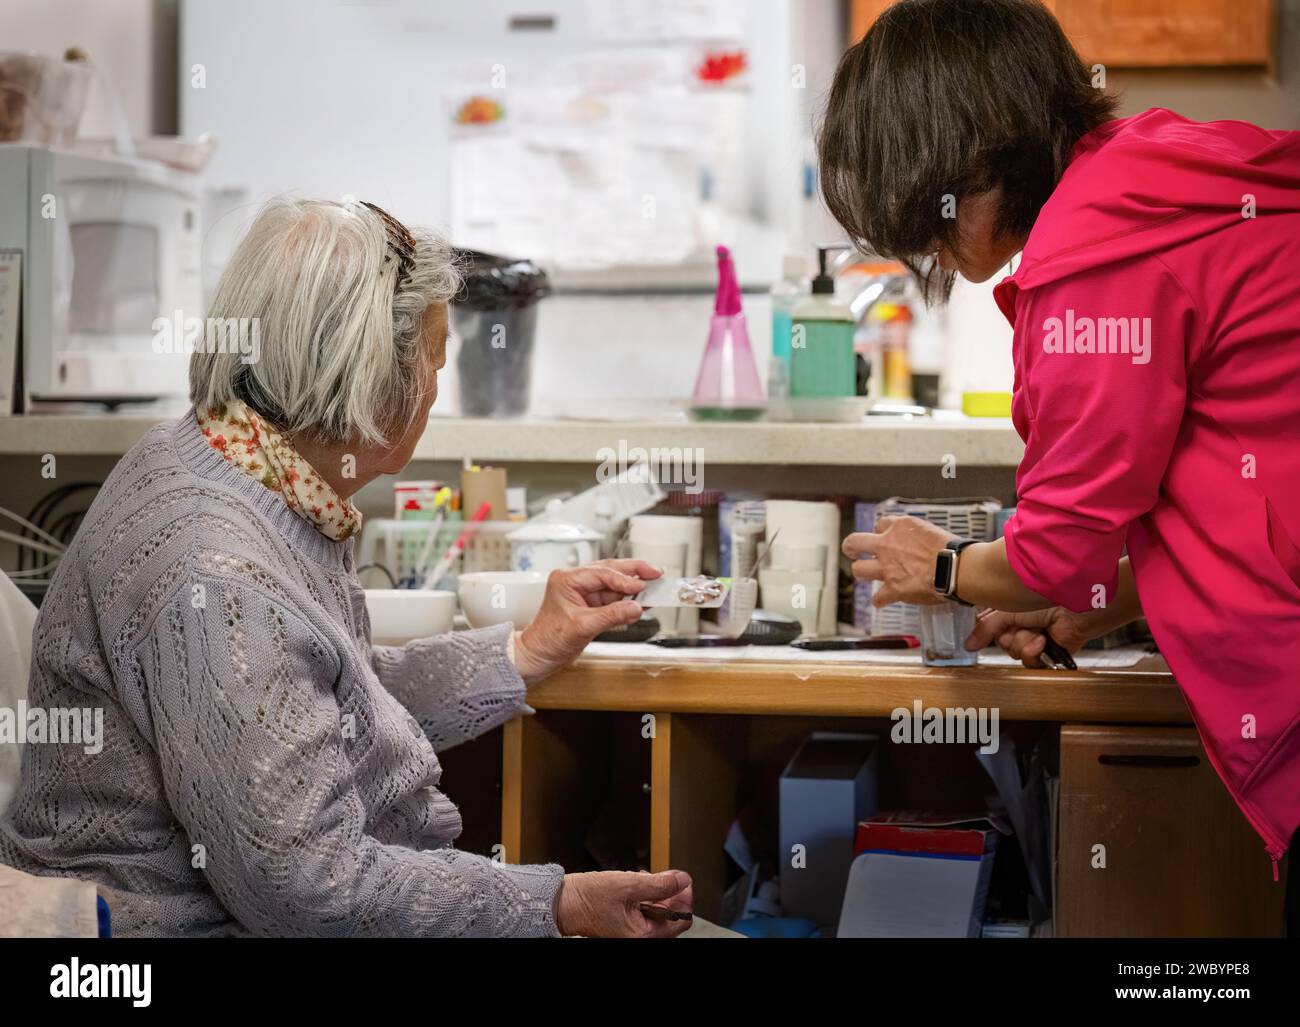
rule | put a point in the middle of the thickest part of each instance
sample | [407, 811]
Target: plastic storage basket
[397, 545]
[968, 518]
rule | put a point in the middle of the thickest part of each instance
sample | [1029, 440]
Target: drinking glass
[944, 630]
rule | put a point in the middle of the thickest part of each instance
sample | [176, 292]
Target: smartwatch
[945, 569]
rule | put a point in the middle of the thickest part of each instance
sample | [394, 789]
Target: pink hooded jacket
[1157, 351]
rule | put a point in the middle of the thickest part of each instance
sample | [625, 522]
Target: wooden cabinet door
[1169, 33]
[1148, 33]
[864, 15]
[1180, 860]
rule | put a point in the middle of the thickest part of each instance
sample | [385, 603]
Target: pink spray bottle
[728, 386]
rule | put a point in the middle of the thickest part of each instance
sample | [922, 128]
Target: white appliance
[110, 252]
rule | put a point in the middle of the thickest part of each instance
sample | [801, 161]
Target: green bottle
[822, 361]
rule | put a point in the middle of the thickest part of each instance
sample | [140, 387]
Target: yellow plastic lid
[986, 404]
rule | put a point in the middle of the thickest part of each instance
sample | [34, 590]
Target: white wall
[621, 356]
[323, 99]
[819, 35]
[326, 99]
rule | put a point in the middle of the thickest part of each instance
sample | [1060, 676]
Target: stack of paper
[919, 876]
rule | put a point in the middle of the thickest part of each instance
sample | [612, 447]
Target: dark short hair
[952, 98]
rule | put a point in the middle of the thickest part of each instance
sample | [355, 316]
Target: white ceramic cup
[811, 524]
[501, 597]
[796, 594]
[669, 557]
[654, 529]
[797, 558]
[400, 616]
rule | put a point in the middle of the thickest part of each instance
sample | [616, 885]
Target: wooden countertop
[1145, 693]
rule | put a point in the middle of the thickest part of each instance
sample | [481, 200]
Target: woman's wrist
[1125, 610]
[1090, 624]
[555, 906]
[517, 651]
[985, 578]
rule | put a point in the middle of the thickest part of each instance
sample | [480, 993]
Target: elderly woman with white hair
[265, 768]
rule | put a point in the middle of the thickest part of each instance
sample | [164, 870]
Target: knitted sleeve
[458, 686]
[243, 695]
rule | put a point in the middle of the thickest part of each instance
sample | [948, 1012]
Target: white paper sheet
[1107, 659]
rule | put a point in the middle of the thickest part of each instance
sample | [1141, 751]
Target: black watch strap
[945, 570]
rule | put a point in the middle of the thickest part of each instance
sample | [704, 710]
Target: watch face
[943, 571]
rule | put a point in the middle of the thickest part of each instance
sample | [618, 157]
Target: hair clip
[401, 242]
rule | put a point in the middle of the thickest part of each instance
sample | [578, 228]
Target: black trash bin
[495, 316]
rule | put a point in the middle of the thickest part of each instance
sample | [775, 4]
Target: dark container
[495, 316]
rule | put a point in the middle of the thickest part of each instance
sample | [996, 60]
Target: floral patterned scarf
[257, 449]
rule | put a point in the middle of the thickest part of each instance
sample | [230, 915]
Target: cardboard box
[826, 790]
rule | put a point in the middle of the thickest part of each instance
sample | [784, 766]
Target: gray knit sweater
[265, 769]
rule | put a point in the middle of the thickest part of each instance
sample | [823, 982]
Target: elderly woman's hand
[579, 605]
[607, 905]
[905, 551]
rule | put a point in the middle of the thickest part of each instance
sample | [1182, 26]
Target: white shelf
[883, 442]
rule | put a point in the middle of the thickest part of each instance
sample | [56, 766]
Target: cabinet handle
[1167, 762]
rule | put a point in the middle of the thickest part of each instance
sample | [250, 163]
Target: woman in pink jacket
[1156, 307]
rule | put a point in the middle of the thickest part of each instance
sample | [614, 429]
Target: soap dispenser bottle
[728, 387]
[822, 359]
[786, 295]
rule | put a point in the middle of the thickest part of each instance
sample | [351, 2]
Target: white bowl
[400, 616]
[502, 597]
